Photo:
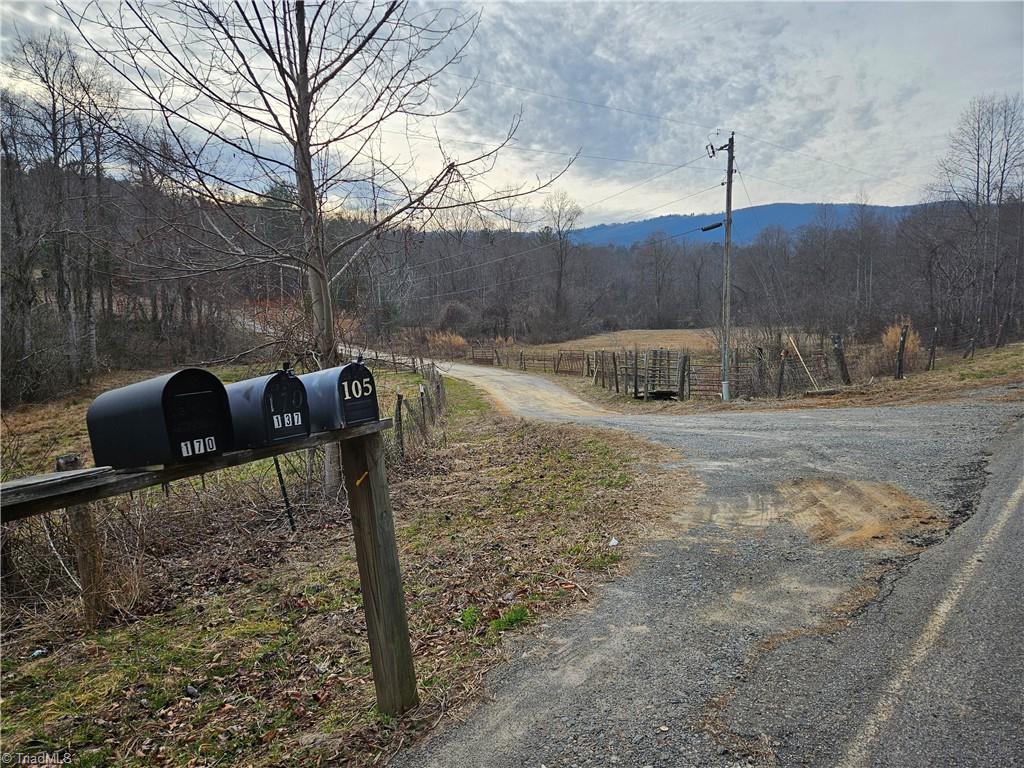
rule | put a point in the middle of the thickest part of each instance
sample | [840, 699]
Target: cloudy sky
[638, 89]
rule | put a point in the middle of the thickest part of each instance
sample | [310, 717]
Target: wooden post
[636, 373]
[615, 371]
[969, 352]
[762, 385]
[1001, 335]
[558, 361]
[88, 553]
[782, 372]
[380, 576]
[736, 372]
[522, 361]
[931, 349]
[900, 354]
[647, 377]
[423, 409]
[837, 348]
[399, 436]
[681, 377]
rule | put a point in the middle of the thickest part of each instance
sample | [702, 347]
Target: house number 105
[352, 389]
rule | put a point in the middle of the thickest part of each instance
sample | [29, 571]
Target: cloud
[874, 87]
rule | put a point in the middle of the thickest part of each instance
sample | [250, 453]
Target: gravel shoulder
[769, 623]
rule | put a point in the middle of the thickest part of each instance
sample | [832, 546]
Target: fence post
[899, 355]
[681, 374]
[931, 349]
[636, 373]
[423, 409]
[522, 361]
[615, 371]
[1001, 335]
[88, 552]
[736, 372]
[762, 375]
[380, 575]
[837, 347]
[399, 436]
[782, 371]
[647, 377]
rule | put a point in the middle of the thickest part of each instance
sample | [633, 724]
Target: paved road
[793, 617]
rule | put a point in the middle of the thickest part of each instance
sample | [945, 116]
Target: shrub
[447, 344]
[886, 363]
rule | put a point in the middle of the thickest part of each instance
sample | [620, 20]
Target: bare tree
[561, 213]
[985, 164]
[657, 262]
[290, 94]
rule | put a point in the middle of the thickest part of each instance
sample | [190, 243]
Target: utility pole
[730, 147]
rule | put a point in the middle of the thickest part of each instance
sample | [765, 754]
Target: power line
[542, 245]
[586, 205]
[662, 118]
[822, 160]
[583, 102]
[535, 150]
[645, 181]
[670, 202]
[478, 288]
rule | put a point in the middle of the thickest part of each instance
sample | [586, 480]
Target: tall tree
[298, 95]
[561, 213]
[984, 166]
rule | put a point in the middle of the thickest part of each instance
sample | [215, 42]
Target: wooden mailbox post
[380, 577]
[362, 450]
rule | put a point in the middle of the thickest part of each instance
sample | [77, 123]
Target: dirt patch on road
[858, 513]
[834, 511]
[880, 518]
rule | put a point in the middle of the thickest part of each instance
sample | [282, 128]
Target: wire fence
[788, 364]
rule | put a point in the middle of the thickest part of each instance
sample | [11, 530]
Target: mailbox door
[358, 393]
[197, 415]
[285, 408]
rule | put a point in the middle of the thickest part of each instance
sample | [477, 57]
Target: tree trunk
[317, 268]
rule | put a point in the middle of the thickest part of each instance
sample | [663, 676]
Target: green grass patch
[602, 561]
[464, 400]
[514, 617]
[470, 617]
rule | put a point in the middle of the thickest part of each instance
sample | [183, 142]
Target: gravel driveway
[794, 616]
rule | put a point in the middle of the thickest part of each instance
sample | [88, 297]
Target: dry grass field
[693, 339]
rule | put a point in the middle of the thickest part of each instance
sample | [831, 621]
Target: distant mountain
[747, 223]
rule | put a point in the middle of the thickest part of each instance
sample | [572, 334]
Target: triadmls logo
[198, 446]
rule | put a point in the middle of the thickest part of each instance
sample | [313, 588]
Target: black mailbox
[166, 420]
[341, 397]
[269, 409]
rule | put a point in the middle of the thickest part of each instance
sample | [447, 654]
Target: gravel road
[790, 618]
